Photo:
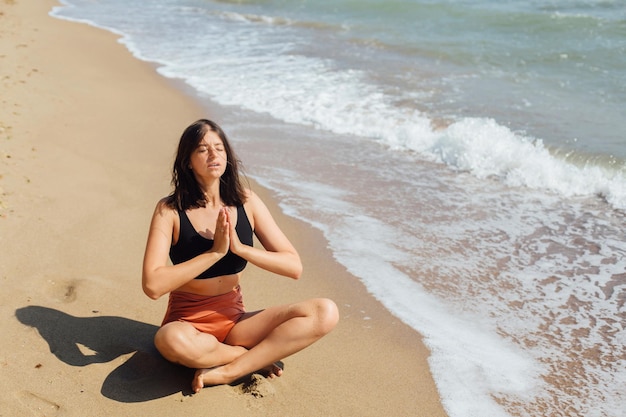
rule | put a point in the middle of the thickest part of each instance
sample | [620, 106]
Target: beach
[87, 137]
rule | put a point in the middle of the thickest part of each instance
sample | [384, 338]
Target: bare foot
[207, 377]
[216, 376]
[272, 371]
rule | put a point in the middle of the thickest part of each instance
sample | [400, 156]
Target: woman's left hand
[235, 243]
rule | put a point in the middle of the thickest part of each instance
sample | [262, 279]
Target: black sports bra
[190, 244]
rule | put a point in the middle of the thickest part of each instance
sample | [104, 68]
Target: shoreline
[86, 145]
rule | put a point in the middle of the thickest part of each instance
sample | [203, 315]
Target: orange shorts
[214, 315]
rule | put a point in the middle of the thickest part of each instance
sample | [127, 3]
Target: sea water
[464, 159]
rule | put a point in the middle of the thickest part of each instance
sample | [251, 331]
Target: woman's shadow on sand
[80, 341]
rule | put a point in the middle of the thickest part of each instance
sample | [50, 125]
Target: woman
[205, 226]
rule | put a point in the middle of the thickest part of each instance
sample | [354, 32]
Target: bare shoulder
[251, 197]
[253, 203]
[162, 204]
[164, 211]
[165, 223]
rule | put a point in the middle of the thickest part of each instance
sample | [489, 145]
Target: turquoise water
[554, 70]
[464, 159]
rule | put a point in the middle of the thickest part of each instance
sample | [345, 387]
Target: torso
[201, 231]
[211, 287]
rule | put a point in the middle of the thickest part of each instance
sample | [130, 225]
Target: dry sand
[87, 135]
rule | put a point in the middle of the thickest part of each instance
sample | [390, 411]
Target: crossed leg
[257, 341]
[271, 335]
[181, 343]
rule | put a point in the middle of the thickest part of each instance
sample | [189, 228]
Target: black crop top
[190, 244]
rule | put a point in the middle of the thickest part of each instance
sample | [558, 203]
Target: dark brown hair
[187, 192]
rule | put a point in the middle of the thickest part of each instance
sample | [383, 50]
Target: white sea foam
[553, 304]
[485, 149]
[469, 360]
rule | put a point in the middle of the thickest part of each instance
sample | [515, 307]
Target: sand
[87, 136]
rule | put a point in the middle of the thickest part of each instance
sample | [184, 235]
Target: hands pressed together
[225, 236]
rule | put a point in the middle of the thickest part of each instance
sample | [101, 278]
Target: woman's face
[209, 159]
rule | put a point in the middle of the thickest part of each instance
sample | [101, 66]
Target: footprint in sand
[258, 387]
[38, 405]
[65, 292]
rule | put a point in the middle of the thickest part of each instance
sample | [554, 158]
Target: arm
[279, 256]
[158, 277]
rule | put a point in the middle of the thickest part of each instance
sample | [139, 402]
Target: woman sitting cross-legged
[206, 228]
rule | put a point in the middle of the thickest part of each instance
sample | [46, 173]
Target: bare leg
[181, 343]
[271, 335]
